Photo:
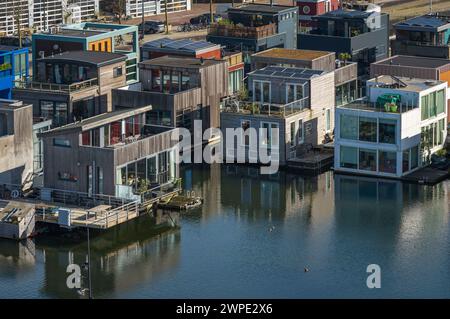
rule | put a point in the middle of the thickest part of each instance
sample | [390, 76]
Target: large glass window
[387, 162]
[300, 132]
[349, 157]
[60, 114]
[367, 129]
[414, 157]
[131, 175]
[368, 160]
[387, 131]
[46, 109]
[405, 161]
[349, 127]
[292, 127]
[245, 139]
[440, 102]
[156, 80]
[269, 136]
[152, 170]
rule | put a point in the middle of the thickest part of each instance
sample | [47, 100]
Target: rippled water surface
[253, 237]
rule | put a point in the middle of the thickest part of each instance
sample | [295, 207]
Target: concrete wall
[16, 155]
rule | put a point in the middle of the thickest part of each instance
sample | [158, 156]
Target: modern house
[307, 9]
[363, 35]
[113, 154]
[253, 28]
[88, 36]
[284, 98]
[16, 143]
[14, 65]
[394, 130]
[198, 49]
[73, 85]
[427, 35]
[180, 91]
[345, 73]
[415, 67]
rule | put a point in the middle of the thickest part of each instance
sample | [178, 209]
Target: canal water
[253, 238]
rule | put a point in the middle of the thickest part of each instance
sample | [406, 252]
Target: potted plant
[345, 57]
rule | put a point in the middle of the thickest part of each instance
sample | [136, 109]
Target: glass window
[405, 161]
[387, 131]
[131, 175]
[368, 160]
[300, 131]
[387, 162]
[269, 138]
[290, 93]
[349, 157]
[245, 140]
[414, 157]
[60, 117]
[367, 129]
[96, 137]
[292, 134]
[141, 175]
[440, 102]
[266, 92]
[99, 180]
[257, 91]
[184, 81]
[166, 81]
[424, 107]
[117, 72]
[61, 142]
[156, 80]
[86, 138]
[349, 127]
[90, 184]
[151, 170]
[47, 109]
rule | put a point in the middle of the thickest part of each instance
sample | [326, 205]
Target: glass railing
[234, 105]
[42, 86]
[377, 107]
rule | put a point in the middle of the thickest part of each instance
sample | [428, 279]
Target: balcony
[29, 84]
[407, 47]
[234, 105]
[239, 31]
[392, 108]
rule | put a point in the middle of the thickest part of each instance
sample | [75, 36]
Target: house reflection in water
[259, 196]
[121, 259]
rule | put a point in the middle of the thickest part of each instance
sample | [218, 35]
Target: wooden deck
[426, 175]
[313, 161]
[99, 217]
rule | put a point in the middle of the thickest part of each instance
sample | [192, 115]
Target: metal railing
[377, 107]
[234, 105]
[29, 84]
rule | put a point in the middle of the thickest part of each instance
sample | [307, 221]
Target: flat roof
[97, 58]
[184, 45]
[290, 72]
[261, 8]
[97, 120]
[180, 62]
[293, 54]
[414, 61]
[428, 21]
[348, 13]
[77, 33]
[7, 104]
[404, 83]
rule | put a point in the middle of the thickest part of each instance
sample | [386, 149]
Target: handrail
[42, 86]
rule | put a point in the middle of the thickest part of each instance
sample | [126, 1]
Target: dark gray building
[257, 27]
[363, 35]
[427, 36]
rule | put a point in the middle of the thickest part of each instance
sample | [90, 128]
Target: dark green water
[335, 225]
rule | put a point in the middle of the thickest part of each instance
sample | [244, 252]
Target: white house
[394, 130]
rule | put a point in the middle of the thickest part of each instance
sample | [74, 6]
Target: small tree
[118, 9]
[345, 57]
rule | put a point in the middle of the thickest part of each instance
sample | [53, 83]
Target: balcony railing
[233, 105]
[238, 31]
[29, 84]
[377, 107]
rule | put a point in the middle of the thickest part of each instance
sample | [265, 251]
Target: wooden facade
[208, 84]
[78, 157]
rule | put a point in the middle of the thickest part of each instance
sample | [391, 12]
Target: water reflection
[334, 224]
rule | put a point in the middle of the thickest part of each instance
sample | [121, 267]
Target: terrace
[241, 31]
[29, 84]
[235, 105]
[365, 105]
